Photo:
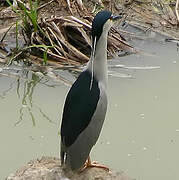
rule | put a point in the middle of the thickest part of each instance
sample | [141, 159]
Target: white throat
[98, 63]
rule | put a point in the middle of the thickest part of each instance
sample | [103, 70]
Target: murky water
[141, 131]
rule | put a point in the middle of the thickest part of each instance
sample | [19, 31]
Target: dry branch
[70, 37]
[176, 10]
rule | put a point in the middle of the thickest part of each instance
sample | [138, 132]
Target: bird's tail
[62, 154]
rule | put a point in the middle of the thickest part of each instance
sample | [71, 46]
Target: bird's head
[102, 23]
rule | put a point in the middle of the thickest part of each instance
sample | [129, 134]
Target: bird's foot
[90, 164]
[97, 165]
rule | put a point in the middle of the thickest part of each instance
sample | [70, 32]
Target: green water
[141, 131]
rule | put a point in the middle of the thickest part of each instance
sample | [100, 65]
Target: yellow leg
[93, 164]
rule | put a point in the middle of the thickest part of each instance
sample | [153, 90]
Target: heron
[86, 102]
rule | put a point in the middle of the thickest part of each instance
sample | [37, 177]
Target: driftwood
[48, 168]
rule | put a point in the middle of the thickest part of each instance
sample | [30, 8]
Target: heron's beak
[116, 17]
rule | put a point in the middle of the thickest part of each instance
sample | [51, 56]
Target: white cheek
[107, 26]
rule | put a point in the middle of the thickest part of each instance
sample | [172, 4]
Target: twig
[81, 22]
[2, 39]
[42, 6]
[80, 4]
[176, 9]
[69, 6]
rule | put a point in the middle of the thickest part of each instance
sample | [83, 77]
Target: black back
[98, 22]
[79, 108]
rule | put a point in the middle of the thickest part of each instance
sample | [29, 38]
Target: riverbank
[48, 168]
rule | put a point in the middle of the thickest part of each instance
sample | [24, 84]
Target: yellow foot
[93, 164]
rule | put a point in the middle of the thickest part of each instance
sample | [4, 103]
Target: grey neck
[100, 60]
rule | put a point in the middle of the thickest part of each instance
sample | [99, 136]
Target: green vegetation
[29, 25]
[28, 16]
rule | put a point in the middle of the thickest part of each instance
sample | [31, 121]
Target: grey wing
[79, 151]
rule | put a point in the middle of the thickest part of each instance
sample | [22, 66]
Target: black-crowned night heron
[86, 103]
